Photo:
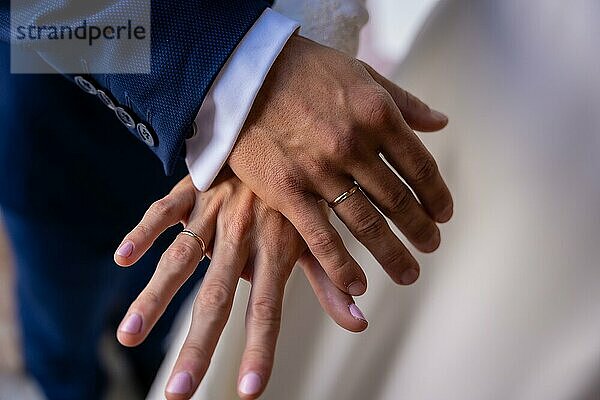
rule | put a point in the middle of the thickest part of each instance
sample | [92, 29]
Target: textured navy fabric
[72, 183]
[191, 41]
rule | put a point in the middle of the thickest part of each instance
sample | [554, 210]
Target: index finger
[160, 216]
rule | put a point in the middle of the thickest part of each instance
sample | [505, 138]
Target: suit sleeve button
[146, 135]
[124, 117]
[85, 85]
[105, 99]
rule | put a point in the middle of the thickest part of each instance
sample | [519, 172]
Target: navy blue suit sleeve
[191, 41]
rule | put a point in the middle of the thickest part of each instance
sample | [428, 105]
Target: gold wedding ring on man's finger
[344, 196]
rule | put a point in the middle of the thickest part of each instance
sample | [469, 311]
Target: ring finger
[175, 267]
[211, 311]
[370, 228]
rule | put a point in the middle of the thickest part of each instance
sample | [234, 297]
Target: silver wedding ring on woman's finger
[198, 239]
[344, 196]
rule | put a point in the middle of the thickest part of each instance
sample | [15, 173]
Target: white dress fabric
[509, 307]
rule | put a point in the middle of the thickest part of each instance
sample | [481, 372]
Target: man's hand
[322, 122]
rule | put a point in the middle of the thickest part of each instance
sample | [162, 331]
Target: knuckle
[424, 232]
[344, 141]
[370, 226]
[290, 182]
[143, 230]
[163, 208]
[238, 229]
[393, 257]
[425, 169]
[259, 353]
[339, 268]
[275, 251]
[151, 299]
[228, 188]
[266, 310]
[341, 272]
[214, 297]
[379, 107]
[229, 244]
[196, 353]
[399, 203]
[323, 242]
[180, 253]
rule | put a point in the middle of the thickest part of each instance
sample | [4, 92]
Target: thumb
[417, 114]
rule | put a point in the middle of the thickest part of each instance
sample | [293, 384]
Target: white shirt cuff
[229, 100]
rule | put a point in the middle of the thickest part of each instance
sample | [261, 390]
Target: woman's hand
[245, 239]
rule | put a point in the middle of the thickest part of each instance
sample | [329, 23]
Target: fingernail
[356, 288]
[125, 249]
[409, 276]
[250, 383]
[132, 324]
[439, 116]
[356, 313]
[180, 383]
